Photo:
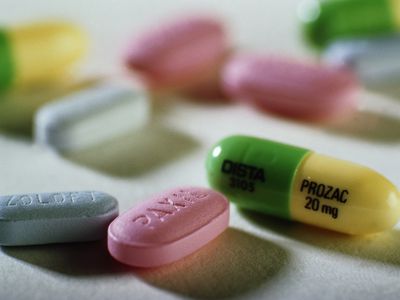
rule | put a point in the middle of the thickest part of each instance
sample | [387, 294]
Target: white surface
[258, 257]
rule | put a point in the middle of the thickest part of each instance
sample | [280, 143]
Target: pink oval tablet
[168, 227]
[291, 88]
[179, 54]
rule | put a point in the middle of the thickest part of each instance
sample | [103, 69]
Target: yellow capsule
[38, 53]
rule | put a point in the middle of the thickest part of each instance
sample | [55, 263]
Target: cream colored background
[258, 257]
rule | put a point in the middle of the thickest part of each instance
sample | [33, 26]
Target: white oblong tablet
[92, 116]
[376, 61]
[45, 218]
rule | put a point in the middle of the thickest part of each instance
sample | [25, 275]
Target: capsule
[38, 53]
[179, 54]
[290, 88]
[62, 217]
[168, 227]
[376, 61]
[91, 117]
[298, 184]
[327, 21]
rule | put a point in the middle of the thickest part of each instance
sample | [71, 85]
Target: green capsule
[328, 20]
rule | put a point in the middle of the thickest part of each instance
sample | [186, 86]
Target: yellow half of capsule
[395, 7]
[42, 52]
[370, 205]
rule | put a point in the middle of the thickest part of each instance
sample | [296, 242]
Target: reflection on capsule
[38, 52]
[298, 184]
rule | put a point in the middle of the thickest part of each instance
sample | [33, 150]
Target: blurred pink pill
[179, 54]
[168, 227]
[291, 88]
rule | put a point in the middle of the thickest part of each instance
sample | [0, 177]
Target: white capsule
[376, 61]
[32, 219]
[91, 117]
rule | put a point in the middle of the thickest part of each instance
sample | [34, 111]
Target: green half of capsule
[240, 167]
[327, 21]
[6, 64]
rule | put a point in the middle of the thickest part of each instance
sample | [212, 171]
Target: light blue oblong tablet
[44, 218]
[92, 117]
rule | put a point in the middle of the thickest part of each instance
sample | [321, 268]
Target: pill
[290, 88]
[327, 21]
[298, 184]
[168, 227]
[376, 61]
[91, 117]
[45, 218]
[180, 53]
[38, 52]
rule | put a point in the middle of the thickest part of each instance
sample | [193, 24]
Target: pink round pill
[168, 227]
[291, 88]
[179, 54]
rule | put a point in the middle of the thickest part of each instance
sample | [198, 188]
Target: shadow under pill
[380, 247]
[233, 264]
[135, 153]
[73, 259]
[369, 125]
[18, 107]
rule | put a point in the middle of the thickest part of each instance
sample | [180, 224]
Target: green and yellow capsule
[298, 184]
[39, 52]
